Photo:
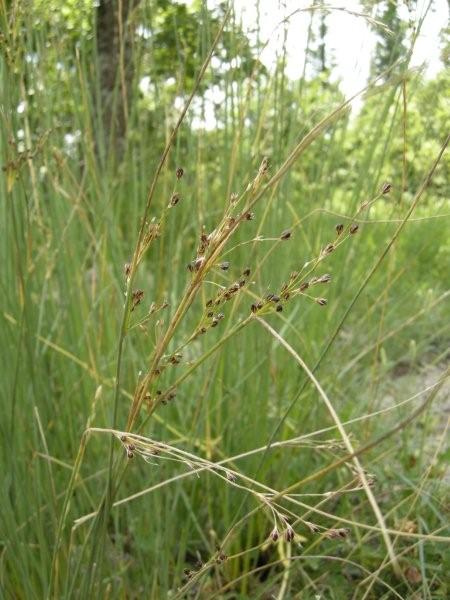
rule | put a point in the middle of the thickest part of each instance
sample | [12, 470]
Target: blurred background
[90, 92]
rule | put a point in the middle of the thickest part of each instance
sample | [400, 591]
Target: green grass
[69, 223]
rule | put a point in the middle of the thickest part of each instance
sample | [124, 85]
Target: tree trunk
[114, 47]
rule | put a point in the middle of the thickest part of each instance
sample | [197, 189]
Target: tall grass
[269, 449]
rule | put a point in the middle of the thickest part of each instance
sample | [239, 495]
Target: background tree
[114, 34]
[318, 55]
[392, 42]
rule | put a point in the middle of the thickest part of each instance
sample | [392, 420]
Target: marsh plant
[205, 337]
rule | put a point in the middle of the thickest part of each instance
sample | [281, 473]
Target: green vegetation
[231, 382]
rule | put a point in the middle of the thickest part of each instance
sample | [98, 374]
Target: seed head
[196, 264]
[274, 534]
[285, 235]
[329, 248]
[279, 308]
[337, 533]
[324, 278]
[312, 526]
[246, 272]
[127, 269]
[249, 216]
[304, 286]
[354, 228]
[322, 301]
[137, 298]
[386, 187]
[264, 166]
[175, 199]
[289, 534]
[339, 228]
[225, 266]
[179, 172]
[175, 358]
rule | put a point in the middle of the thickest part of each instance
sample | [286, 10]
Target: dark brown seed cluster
[174, 199]
[127, 269]
[221, 556]
[285, 235]
[386, 188]
[154, 307]
[175, 359]
[129, 448]
[264, 166]
[272, 298]
[333, 534]
[339, 228]
[204, 243]
[322, 279]
[153, 231]
[229, 292]
[212, 320]
[231, 477]
[216, 319]
[136, 298]
[312, 527]
[354, 228]
[289, 534]
[326, 278]
[195, 264]
[179, 172]
[168, 396]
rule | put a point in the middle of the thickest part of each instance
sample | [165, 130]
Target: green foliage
[392, 41]
[71, 17]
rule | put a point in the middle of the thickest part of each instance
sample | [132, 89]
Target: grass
[293, 461]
